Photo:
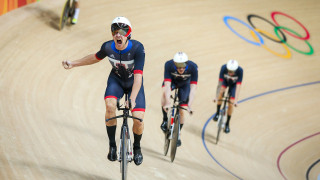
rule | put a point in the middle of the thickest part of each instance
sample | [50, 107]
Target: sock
[228, 120]
[111, 130]
[218, 109]
[76, 13]
[165, 118]
[137, 139]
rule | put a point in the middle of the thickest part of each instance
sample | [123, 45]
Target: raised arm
[87, 60]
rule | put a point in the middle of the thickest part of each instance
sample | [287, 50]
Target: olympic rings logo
[258, 40]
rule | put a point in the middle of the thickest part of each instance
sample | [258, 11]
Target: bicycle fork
[172, 124]
[129, 146]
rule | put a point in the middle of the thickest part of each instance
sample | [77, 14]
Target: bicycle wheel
[124, 153]
[65, 14]
[166, 142]
[175, 136]
[72, 8]
[220, 122]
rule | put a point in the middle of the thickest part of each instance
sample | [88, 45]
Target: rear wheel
[124, 153]
[65, 14]
[175, 136]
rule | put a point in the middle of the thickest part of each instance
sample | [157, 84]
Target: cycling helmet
[180, 59]
[232, 65]
[122, 25]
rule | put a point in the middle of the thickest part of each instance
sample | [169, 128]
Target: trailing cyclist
[127, 58]
[181, 73]
[230, 76]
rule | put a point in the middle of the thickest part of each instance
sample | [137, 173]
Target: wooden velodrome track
[52, 120]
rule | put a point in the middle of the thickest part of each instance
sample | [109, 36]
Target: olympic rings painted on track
[306, 53]
[303, 38]
[256, 33]
[263, 34]
[288, 55]
[225, 19]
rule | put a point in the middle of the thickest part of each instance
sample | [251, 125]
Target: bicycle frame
[173, 113]
[223, 115]
[125, 148]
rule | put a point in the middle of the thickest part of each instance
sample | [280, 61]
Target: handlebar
[125, 111]
[124, 116]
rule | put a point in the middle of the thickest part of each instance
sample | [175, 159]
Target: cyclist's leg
[219, 102]
[76, 12]
[232, 91]
[183, 95]
[113, 92]
[163, 125]
[138, 127]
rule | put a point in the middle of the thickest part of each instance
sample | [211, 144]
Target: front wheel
[175, 137]
[124, 153]
[65, 14]
[220, 124]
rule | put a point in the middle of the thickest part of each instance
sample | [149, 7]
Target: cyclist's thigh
[183, 94]
[140, 100]
[113, 89]
[232, 91]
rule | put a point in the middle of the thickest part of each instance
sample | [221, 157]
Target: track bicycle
[223, 115]
[173, 128]
[67, 13]
[125, 154]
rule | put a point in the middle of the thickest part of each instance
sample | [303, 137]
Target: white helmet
[121, 22]
[180, 57]
[232, 65]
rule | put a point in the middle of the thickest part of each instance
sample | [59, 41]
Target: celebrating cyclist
[230, 76]
[180, 73]
[127, 59]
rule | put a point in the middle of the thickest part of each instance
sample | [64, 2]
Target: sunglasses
[180, 65]
[231, 71]
[120, 28]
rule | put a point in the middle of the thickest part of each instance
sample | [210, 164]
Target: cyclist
[181, 73]
[76, 12]
[127, 59]
[230, 76]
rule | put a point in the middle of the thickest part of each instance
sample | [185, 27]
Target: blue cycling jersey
[126, 62]
[190, 75]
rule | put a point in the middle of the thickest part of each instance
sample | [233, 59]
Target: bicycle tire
[72, 8]
[124, 153]
[220, 122]
[65, 14]
[175, 136]
[166, 140]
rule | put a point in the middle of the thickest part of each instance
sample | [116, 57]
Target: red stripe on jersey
[110, 97]
[239, 83]
[224, 86]
[221, 79]
[138, 109]
[193, 82]
[137, 72]
[183, 104]
[97, 57]
[167, 80]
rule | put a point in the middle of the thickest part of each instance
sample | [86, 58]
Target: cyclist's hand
[189, 110]
[67, 64]
[235, 104]
[166, 107]
[133, 103]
